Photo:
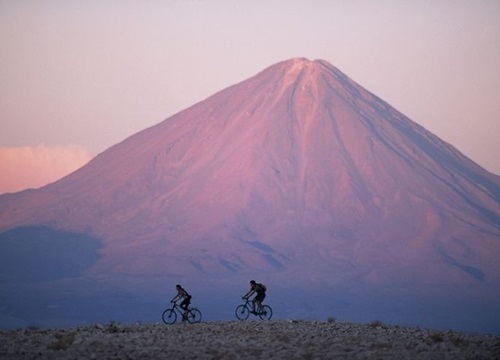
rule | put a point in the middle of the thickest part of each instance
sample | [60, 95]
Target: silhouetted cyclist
[181, 293]
[260, 290]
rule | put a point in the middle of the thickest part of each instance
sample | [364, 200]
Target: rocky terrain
[280, 339]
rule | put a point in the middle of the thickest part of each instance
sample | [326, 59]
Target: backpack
[262, 286]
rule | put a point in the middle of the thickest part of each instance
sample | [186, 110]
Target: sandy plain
[276, 339]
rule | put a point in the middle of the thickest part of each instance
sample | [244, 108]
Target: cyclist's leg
[186, 310]
[260, 299]
[254, 300]
[184, 306]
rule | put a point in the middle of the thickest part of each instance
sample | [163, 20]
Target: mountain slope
[297, 173]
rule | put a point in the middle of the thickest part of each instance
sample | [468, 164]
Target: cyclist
[260, 290]
[181, 293]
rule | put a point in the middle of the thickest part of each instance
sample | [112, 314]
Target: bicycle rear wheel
[169, 316]
[267, 313]
[194, 316]
[242, 312]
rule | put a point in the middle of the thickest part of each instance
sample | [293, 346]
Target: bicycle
[169, 316]
[243, 311]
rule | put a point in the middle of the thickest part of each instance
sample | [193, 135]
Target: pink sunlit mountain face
[297, 176]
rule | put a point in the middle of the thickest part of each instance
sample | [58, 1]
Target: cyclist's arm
[248, 294]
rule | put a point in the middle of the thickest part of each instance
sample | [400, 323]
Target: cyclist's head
[178, 286]
[252, 282]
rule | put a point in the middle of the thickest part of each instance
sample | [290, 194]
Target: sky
[77, 77]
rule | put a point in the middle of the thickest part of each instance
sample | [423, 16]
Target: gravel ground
[279, 339]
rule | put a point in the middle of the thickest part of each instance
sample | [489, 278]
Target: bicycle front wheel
[169, 316]
[242, 312]
[267, 313]
[194, 316]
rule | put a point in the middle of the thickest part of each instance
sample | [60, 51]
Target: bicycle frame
[249, 305]
[243, 311]
[170, 315]
[178, 309]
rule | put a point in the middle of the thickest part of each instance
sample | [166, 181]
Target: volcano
[297, 176]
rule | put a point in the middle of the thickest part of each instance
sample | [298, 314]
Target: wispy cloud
[35, 166]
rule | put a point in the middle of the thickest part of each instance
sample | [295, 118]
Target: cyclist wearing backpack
[260, 290]
[181, 293]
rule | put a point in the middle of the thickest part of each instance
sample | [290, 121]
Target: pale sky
[77, 77]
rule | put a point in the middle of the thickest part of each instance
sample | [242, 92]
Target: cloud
[35, 166]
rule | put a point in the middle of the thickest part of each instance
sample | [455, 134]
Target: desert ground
[277, 339]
